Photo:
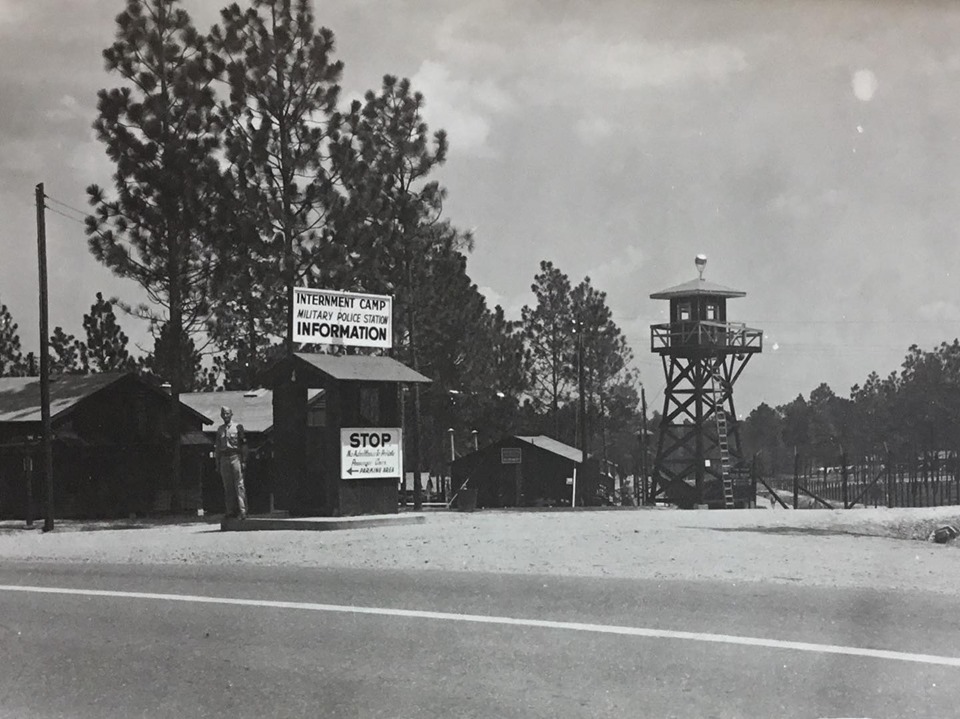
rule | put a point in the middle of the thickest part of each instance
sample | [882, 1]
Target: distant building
[111, 447]
[525, 471]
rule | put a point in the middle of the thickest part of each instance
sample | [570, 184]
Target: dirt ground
[879, 548]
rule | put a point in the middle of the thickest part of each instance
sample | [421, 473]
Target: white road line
[505, 621]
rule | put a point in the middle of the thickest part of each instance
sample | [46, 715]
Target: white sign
[350, 319]
[371, 453]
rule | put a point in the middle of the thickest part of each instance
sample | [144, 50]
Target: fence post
[956, 474]
[843, 478]
[890, 495]
[28, 475]
[796, 478]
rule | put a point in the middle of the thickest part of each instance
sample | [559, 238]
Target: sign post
[371, 453]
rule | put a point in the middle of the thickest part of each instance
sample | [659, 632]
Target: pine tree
[549, 338]
[168, 354]
[391, 218]
[105, 349]
[11, 358]
[606, 358]
[161, 131]
[65, 353]
[279, 120]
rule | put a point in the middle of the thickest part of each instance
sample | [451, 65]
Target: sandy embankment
[853, 548]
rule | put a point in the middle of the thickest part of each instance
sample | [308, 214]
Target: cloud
[803, 205]
[638, 64]
[13, 14]
[67, 110]
[593, 129]
[940, 310]
[22, 157]
[464, 108]
[561, 56]
[622, 264]
[512, 306]
[491, 295]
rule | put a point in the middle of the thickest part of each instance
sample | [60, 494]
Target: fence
[930, 480]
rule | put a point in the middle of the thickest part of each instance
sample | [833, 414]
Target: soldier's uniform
[229, 454]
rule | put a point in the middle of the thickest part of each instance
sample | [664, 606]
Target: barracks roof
[20, 396]
[552, 445]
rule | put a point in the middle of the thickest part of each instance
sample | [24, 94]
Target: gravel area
[856, 548]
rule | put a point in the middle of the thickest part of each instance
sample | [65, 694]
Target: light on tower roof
[701, 263]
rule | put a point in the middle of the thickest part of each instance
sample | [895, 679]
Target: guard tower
[699, 460]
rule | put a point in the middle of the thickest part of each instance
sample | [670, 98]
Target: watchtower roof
[696, 287]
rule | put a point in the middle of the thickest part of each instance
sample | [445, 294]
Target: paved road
[308, 654]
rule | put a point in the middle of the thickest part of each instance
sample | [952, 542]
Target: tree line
[239, 174]
[906, 415]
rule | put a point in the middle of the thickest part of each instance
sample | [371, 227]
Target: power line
[622, 319]
[64, 204]
[63, 214]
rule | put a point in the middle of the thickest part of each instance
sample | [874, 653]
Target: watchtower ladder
[723, 445]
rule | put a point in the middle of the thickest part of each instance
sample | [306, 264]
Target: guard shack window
[711, 311]
[317, 414]
[683, 312]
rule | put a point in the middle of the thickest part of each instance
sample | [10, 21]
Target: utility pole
[642, 480]
[581, 379]
[417, 445]
[47, 438]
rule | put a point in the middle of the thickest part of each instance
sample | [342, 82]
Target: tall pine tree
[606, 359]
[279, 121]
[391, 219]
[161, 131]
[548, 334]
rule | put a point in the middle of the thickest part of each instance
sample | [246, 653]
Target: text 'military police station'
[349, 319]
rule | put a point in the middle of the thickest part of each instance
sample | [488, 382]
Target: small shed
[316, 471]
[252, 409]
[111, 447]
[520, 471]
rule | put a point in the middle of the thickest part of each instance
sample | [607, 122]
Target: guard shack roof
[345, 368]
[697, 287]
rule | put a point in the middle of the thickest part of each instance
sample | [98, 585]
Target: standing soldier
[231, 456]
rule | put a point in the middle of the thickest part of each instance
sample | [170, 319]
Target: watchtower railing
[705, 334]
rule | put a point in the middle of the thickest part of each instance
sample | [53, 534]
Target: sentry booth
[346, 457]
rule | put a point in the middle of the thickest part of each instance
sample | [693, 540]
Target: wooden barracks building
[111, 448]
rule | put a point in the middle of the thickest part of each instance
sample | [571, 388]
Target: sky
[808, 148]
